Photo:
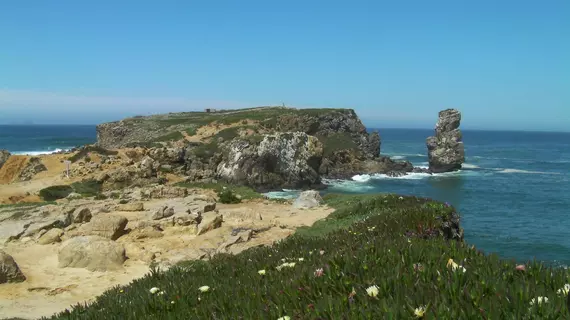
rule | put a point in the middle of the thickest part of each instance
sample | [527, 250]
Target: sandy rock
[200, 207]
[133, 206]
[163, 212]
[146, 233]
[93, 253]
[106, 226]
[60, 222]
[167, 192]
[308, 199]
[238, 236]
[134, 251]
[9, 270]
[81, 215]
[51, 236]
[210, 222]
[187, 219]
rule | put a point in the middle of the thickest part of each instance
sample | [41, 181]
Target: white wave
[37, 153]
[392, 155]
[469, 166]
[361, 178]
[348, 185]
[397, 157]
[502, 170]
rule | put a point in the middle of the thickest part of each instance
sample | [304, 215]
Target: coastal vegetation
[375, 256]
[86, 188]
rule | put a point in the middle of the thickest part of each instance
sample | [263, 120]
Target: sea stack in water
[445, 149]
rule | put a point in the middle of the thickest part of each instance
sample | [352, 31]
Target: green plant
[228, 196]
[87, 188]
[246, 193]
[55, 192]
[173, 136]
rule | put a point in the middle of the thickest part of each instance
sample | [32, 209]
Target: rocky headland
[142, 194]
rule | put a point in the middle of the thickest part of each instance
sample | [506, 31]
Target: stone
[133, 206]
[81, 215]
[238, 236]
[51, 236]
[33, 167]
[163, 212]
[106, 226]
[308, 199]
[93, 253]
[74, 196]
[168, 192]
[445, 149]
[9, 269]
[210, 222]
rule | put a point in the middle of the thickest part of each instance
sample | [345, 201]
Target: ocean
[513, 192]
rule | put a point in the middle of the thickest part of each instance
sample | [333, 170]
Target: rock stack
[445, 150]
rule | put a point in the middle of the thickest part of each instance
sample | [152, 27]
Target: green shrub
[55, 192]
[392, 247]
[87, 149]
[337, 141]
[87, 188]
[227, 196]
[173, 136]
[246, 193]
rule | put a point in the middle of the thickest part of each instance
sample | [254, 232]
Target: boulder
[210, 222]
[81, 215]
[51, 236]
[9, 270]
[132, 206]
[93, 253]
[4, 155]
[163, 212]
[238, 236]
[106, 226]
[167, 192]
[308, 199]
[445, 149]
[61, 222]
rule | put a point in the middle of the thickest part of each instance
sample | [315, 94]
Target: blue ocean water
[41, 139]
[513, 192]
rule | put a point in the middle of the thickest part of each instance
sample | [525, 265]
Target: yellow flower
[420, 311]
[204, 288]
[372, 291]
[454, 266]
[261, 272]
[565, 290]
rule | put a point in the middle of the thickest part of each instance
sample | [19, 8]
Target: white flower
[204, 288]
[565, 290]
[420, 311]
[322, 252]
[161, 293]
[261, 272]
[172, 302]
[284, 318]
[401, 198]
[372, 291]
[301, 259]
[291, 264]
[154, 290]
[538, 300]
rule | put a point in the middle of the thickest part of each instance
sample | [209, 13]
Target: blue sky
[505, 64]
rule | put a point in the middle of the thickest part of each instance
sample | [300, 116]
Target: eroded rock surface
[93, 253]
[445, 149]
[9, 270]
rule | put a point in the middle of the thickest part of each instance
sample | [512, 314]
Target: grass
[245, 193]
[375, 257]
[337, 141]
[88, 149]
[172, 136]
[86, 188]
[26, 204]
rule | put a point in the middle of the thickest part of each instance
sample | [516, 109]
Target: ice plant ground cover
[375, 257]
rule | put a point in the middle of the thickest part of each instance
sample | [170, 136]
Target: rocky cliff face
[265, 148]
[445, 149]
[4, 155]
[281, 160]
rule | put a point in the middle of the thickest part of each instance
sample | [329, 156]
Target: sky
[504, 64]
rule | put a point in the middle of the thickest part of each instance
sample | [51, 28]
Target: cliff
[266, 148]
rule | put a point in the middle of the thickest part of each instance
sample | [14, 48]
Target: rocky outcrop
[93, 253]
[286, 160]
[131, 207]
[308, 199]
[33, 167]
[9, 270]
[106, 226]
[51, 236]
[445, 149]
[4, 155]
[345, 164]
